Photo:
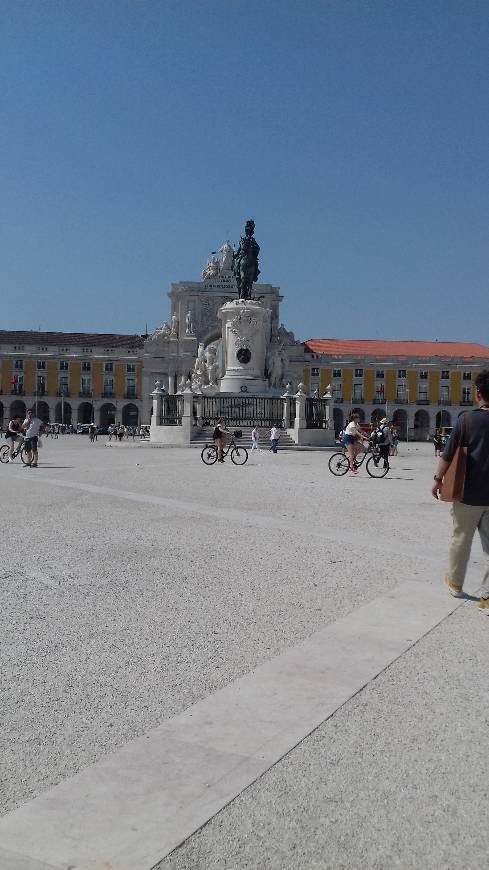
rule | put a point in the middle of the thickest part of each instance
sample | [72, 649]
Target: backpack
[377, 437]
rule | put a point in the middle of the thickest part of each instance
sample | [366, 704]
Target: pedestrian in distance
[274, 436]
[472, 512]
[255, 439]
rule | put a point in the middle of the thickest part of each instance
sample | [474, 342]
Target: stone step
[204, 436]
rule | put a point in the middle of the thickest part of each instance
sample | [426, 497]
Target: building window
[336, 391]
[18, 364]
[41, 365]
[314, 372]
[379, 374]
[109, 367]
[86, 386]
[357, 392]
[130, 388]
[108, 386]
[379, 391]
[337, 373]
[423, 376]
[359, 373]
[63, 385]
[63, 365]
[131, 369]
[18, 384]
[467, 376]
[42, 349]
[41, 385]
[64, 350]
[466, 394]
[401, 374]
[445, 393]
[86, 350]
[18, 347]
[86, 366]
[445, 375]
[401, 393]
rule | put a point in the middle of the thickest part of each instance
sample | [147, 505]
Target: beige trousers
[466, 519]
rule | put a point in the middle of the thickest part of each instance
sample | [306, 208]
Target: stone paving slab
[138, 804]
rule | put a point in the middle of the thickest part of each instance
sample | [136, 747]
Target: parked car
[103, 430]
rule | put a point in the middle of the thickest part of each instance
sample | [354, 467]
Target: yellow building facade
[71, 377]
[421, 386]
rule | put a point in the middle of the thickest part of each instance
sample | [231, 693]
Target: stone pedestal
[245, 329]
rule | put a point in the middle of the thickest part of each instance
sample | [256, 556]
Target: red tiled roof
[338, 347]
[71, 339]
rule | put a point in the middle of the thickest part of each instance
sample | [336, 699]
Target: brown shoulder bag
[454, 478]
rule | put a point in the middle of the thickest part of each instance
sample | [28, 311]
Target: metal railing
[317, 414]
[241, 411]
[171, 411]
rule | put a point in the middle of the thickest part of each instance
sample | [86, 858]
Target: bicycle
[20, 451]
[339, 463]
[239, 455]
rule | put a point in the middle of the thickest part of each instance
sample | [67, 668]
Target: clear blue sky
[136, 136]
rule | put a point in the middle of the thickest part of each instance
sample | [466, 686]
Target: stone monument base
[245, 327]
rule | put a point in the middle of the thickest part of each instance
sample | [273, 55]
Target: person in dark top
[473, 511]
[219, 436]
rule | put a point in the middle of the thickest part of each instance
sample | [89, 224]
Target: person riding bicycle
[353, 440]
[14, 435]
[383, 440]
[219, 437]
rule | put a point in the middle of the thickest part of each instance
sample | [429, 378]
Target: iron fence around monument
[241, 411]
[171, 411]
[317, 414]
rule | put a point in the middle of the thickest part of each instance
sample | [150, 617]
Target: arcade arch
[107, 414]
[421, 425]
[130, 415]
[399, 419]
[85, 412]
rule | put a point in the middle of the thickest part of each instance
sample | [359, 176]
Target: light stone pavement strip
[136, 613]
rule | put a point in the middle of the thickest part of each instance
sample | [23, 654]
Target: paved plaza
[236, 667]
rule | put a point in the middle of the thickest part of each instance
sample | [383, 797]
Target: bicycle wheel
[4, 453]
[209, 454]
[239, 455]
[338, 464]
[375, 467]
[23, 455]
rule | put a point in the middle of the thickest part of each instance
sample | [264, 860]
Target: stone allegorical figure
[226, 254]
[245, 262]
[189, 329]
[174, 325]
[212, 366]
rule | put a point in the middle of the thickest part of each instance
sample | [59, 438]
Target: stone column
[300, 412]
[187, 415]
[157, 396]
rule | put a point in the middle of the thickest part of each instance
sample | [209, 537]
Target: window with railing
[130, 388]
[40, 385]
[444, 393]
[108, 389]
[466, 394]
[63, 386]
[86, 386]
[336, 391]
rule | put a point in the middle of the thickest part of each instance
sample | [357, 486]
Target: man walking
[32, 426]
[471, 430]
[274, 436]
[255, 439]
[384, 440]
